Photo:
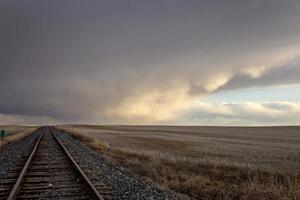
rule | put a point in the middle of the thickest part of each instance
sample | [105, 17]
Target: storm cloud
[138, 61]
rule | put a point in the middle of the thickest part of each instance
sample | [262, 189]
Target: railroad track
[50, 172]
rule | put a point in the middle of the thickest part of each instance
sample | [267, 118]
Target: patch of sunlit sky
[279, 93]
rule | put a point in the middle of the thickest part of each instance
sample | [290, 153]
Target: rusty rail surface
[79, 170]
[51, 162]
[17, 186]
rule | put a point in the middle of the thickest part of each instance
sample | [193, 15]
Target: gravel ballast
[15, 151]
[123, 183]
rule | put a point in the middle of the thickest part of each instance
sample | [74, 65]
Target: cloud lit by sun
[104, 62]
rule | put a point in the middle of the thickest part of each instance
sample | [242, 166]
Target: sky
[192, 62]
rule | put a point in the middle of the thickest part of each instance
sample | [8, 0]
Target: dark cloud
[280, 75]
[71, 60]
[196, 90]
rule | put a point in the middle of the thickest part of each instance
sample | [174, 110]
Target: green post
[2, 135]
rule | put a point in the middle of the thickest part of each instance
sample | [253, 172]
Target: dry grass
[16, 133]
[177, 162]
[93, 143]
[205, 181]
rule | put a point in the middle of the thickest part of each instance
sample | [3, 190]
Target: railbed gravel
[15, 151]
[125, 184]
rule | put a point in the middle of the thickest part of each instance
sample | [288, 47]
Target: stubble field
[205, 162]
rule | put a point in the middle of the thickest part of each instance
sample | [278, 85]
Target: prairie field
[14, 133]
[13, 129]
[205, 162]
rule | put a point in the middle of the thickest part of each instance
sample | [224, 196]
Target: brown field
[206, 162]
[15, 133]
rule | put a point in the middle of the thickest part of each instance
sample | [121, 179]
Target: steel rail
[14, 192]
[88, 182]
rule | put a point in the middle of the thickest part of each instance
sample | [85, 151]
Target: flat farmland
[15, 133]
[206, 162]
[14, 129]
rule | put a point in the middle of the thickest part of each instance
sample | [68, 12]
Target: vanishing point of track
[50, 172]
